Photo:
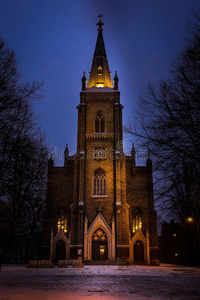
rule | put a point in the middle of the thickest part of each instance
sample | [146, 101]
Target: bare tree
[23, 157]
[168, 123]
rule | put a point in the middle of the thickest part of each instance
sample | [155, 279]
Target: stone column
[80, 226]
[148, 248]
[113, 240]
[51, 246]
[86, 238]
[81, 161]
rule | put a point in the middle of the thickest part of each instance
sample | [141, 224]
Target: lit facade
[100, 204]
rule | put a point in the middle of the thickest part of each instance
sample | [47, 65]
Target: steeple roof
[100, 75]
[100, 47]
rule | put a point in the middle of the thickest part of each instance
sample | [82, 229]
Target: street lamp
[194, 231]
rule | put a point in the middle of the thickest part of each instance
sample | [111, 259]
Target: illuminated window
[99, 70]
[62, 224]
[99, 123]
[102, 249]
[99, 183]
[137, 220]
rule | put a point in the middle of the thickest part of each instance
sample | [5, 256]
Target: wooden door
[138, 252]
[60, 250]
[99, 245]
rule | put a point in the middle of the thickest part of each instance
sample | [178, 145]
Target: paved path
[100, 283]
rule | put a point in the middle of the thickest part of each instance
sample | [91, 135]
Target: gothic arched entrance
[60, 250]
[99, 245]
[138, 252]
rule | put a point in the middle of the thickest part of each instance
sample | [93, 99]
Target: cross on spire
[100, 16]
[100, 23]
[99, 209]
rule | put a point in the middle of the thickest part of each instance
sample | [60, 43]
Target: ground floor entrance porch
[99, 245]
[99, 240]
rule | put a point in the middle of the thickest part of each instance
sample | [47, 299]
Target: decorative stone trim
[100, 136]
[98, 99]
[99, 196]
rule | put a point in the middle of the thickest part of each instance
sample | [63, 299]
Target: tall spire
[100, 75]
[100, 47]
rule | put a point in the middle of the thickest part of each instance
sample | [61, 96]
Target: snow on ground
[100, 283]
[162, 270]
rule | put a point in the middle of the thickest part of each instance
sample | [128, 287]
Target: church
[100, 204]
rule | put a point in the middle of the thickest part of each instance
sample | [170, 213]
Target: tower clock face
[99, 153]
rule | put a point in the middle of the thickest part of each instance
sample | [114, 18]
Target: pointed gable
[100, 222]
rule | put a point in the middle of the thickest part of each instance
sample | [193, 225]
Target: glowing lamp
[190, 219]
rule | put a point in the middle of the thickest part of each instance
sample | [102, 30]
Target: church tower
[104, 208]
[101, 181]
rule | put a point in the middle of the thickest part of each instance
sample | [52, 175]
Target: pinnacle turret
[84, 81]
[116, 81]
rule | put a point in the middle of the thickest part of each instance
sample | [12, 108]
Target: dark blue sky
[54, 41]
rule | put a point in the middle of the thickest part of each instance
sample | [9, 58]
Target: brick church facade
[100, 205]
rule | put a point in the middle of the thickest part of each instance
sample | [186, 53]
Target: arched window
[99, 71]
[99, 122]
[137, 219]
[99, 235]
[99, 182]
[62, 223]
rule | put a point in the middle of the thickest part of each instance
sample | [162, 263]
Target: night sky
[54, 41]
